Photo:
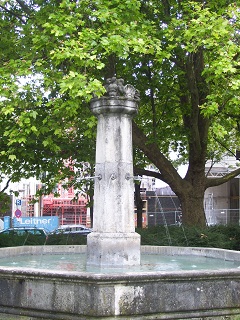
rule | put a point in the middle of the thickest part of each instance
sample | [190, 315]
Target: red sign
[18, 213]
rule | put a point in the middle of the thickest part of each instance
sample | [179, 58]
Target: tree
[183, 56]
[199, 84]
[38, 134]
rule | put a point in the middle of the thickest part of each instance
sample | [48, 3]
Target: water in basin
[149, 262]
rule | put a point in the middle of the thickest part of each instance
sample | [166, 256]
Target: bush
[35, 240]
[21, 240]
[226, 237]
[66, 239]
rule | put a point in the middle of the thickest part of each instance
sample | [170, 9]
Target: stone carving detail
[115, 88]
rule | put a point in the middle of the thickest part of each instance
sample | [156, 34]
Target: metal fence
[214, 217]
[223, 216]
[164, 218]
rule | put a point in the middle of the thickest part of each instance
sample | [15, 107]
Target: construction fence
[223, 216]
[214, 217]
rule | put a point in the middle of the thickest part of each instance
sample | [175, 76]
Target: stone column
[114, 242]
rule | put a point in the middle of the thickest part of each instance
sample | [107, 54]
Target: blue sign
[48, 223]
[7, 222]
[18, 202]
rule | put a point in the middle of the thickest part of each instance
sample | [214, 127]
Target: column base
[113, 249]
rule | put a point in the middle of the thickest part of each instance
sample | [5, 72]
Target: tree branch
[149, 173]
[212, 182]
[6, 186]
[13, 13]
[24, 7]
[168, 173]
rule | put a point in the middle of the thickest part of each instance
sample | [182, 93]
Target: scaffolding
[69, 211]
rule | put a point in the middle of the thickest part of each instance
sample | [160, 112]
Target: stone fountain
[114, 241]
[112, 285]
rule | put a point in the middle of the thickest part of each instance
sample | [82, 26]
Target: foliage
[63, 239]
[225, 237]
[33, 240]
[5, 203]
[183, 56]
[19, 240]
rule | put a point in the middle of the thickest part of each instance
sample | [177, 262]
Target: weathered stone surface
[113, 241]
[114, 249]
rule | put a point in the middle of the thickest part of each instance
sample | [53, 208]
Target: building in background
[160, 204]
[66, 207]
[222, 203]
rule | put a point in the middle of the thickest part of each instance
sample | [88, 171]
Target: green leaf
[12, 157]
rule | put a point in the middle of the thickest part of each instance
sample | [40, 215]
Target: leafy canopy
[183, 56]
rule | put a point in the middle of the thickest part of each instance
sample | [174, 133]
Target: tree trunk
[190, 192]
[91, 210]
[192, 206]
[139, 205]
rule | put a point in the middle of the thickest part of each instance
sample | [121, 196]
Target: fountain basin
[56, 294]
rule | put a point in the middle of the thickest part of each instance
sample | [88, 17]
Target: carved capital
[115, 88]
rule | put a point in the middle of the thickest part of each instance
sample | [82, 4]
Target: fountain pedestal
[114, 241]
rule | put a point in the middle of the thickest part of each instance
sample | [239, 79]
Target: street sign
[18, 202]
[18, 213]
